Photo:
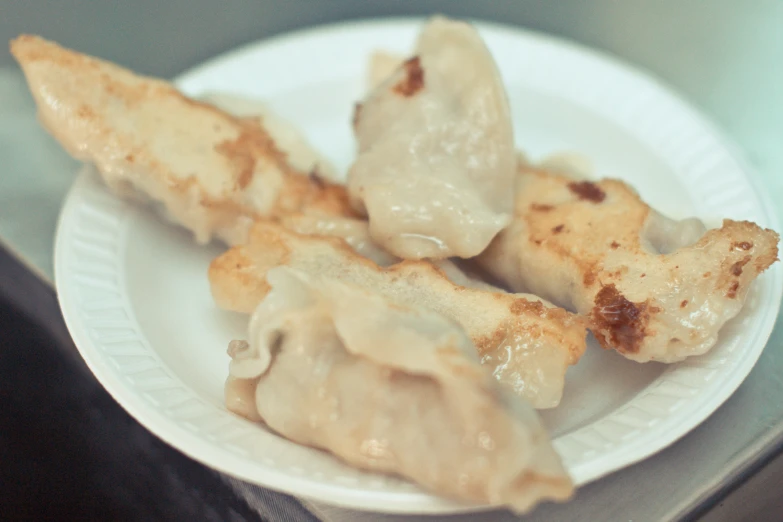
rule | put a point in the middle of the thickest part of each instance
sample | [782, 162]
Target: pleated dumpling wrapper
[389, 388]
[528, 343]
[435, 166]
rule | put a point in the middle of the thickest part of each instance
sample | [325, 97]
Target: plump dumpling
[435, 165]
[205, 169]
[389, 388]
[528, 344]
[654, 289]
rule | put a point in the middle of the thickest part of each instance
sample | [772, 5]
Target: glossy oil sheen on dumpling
[435, 168]
[355, 232]
[390, 388]
[528, 343]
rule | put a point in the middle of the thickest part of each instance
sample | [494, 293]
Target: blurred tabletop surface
[724, 56]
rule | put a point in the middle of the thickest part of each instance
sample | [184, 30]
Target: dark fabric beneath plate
[69, 451]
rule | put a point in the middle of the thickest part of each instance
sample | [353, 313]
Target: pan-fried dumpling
[527, 343]
[436, 159]
[207, 170]
[654, 289]
[390, 388]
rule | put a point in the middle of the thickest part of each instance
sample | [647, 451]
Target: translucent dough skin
[528, 342]
[435, 166]
[394, 389]
[355, 232]
[653, 288]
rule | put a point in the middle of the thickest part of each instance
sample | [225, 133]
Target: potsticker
[653, 288]
[527, 342]
[207, 170]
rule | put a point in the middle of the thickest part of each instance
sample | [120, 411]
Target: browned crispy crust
[587, 190]
[413, 81]
[617, 321]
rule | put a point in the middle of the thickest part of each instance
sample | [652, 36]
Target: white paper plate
[135, 295]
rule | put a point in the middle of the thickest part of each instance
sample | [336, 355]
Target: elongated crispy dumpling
[390, 388]
[209, 171]
[528, 343]
[436, 159]
[654, 289]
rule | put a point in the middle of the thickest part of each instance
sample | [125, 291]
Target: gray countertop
[725, 56]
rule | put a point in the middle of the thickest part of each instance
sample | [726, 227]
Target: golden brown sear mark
[614, 245]
[521, 306]
[537, 207]
[617, 322]
[85, 112]
[414, 78]
[618, 273]
[684, 303]
[253, 142]
[742, 245]
[242, 159]
[732, 292]
[736, 268]
[587, 190]
[558, 229]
